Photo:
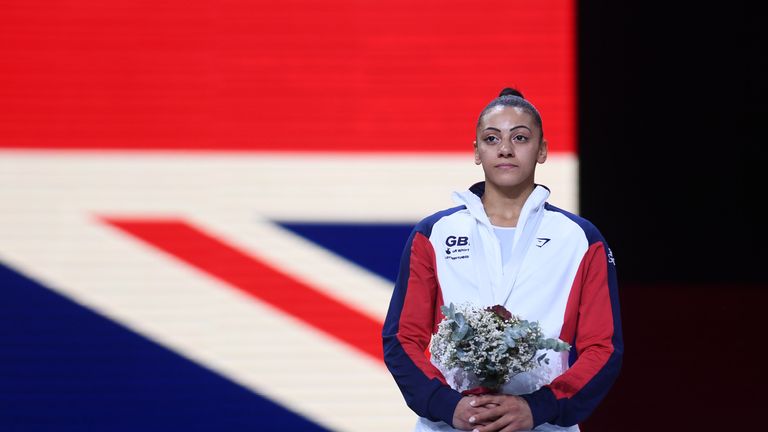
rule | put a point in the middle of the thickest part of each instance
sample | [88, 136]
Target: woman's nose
[505, 149]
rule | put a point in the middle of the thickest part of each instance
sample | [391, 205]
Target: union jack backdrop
[203, 203]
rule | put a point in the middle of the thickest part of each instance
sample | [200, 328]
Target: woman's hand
[505, 413]
[466, 409]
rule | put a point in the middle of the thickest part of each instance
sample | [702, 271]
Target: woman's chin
[507, 182]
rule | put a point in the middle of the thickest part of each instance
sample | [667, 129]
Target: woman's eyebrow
[518, 127]
[499, 130]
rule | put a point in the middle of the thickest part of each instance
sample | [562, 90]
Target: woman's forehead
[506, 114]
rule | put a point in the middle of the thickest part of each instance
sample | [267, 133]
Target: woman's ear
[477, 153]
[542, 157]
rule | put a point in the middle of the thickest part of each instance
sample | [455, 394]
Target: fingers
[464, 411]
[506, 423]
[494, 426]
[511, 413]
[510, 409]
[486, 416]
[485, 400]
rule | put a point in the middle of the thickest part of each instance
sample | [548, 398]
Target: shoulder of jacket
[589, 228]
[425, 225]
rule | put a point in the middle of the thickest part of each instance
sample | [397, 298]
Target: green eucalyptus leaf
[460, 319]
[515, 332]
[460, 332]
[509, 340]
[448, 311]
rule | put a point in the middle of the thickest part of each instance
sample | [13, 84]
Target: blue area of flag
[64, 367]
[376, 247]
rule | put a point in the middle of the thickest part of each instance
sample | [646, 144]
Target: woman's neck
[503, 205]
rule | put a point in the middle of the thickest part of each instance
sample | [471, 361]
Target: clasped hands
[492, 413]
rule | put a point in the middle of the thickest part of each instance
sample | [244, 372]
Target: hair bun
[508, 91]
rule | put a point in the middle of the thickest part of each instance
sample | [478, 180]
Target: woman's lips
[506, 166]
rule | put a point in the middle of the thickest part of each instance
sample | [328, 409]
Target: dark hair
[512, 97]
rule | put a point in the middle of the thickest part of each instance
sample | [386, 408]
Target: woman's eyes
[494, 139]
[520, 138]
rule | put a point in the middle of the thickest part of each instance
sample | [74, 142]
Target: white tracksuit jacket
[561, 274]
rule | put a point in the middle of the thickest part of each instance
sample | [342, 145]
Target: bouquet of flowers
[490, 344]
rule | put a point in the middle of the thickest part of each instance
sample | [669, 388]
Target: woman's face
[509, 146]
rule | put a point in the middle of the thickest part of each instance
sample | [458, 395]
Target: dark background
[671, 172]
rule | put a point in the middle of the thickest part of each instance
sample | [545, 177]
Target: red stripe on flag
[254, 277]
[363, 76]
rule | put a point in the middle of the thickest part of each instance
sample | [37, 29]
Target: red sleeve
[593, 327]
[419, 317]
[408, 329]
[588, 319]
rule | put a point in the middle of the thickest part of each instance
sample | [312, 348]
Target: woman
[504, 244]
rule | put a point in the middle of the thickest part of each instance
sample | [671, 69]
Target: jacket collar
[471, 198]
